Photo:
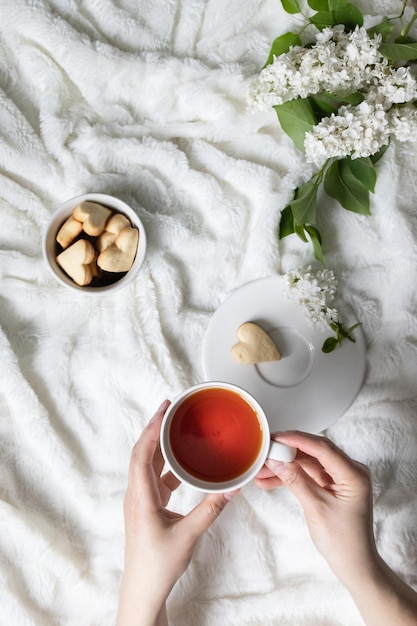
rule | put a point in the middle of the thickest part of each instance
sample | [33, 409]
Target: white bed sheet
[147, 101]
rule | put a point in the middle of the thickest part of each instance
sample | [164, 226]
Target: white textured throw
[147, 101]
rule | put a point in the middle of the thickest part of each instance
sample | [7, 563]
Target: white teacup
[215, 437]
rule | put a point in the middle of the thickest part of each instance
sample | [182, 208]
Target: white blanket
[147, 101]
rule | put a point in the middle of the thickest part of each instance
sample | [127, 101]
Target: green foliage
[337, 12]
[384, 28]
[296, 118]
[375, 157]
[304, 205]
[315, 239]
[282, 44]
[324, 104]
[290, 6]
[299, 217]
[349, 181]
[341, 335]
[399, 51]
[318, 5]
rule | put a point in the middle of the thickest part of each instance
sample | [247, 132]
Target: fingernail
[229, 495]
[162, 408]
[276, 466]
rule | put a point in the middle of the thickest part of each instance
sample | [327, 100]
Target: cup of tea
[215, 437]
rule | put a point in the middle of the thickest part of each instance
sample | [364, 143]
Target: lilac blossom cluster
[315, 292]
[343, 63]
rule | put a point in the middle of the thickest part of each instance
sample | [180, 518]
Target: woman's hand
[159, 542]
[336, 495]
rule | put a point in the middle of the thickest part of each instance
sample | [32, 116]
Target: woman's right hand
[336, 495]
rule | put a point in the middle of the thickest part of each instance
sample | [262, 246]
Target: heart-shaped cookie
[255, 345]
[119, 256]
[79, 262]
[93, 217]
[117, 222]
[113, 227]
[69, 230]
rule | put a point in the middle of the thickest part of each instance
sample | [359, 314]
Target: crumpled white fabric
[147, 101]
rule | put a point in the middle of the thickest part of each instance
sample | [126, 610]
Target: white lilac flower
[337, 62]
[396, 86]
[341, 63]
[358, 131]
[403, 122]
[315, 292]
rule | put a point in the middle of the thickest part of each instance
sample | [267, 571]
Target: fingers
[170, 481]
[296, 479]
[335, 462]
[144, 449]
[142, 476]
[268, 478]
[206, 512]
[267, 483]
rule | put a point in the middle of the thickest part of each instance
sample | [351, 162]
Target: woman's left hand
[159, 542]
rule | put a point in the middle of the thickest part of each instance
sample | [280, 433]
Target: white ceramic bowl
[49, 244]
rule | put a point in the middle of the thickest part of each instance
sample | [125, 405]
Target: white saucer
[307, 389]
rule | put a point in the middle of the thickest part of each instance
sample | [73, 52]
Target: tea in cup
[215, 437]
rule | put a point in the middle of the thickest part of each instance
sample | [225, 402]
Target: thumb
[206, 512]
[295, 478]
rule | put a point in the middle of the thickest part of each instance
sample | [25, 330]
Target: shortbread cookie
[255, 345]
[113, 227]
[119, 256]
[79, 262]
[93, 216]
[117, 222]
[69, 231]
[104, 241]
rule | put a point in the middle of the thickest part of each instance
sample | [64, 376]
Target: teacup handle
[281, 452]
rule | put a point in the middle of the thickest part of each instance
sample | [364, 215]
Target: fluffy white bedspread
[147, 101]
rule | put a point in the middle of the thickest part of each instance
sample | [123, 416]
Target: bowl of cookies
[94, 243]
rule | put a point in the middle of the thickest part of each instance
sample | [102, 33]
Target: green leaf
[318, 5]
[341, 334]
[334, 5]
[316, 241]
[357, 199]
[290, 6]
[329, 345]
[363, 169]
[348, 15]
[375, 157]
[342, 13]
[403, 39]
[321, 19]
[326, 103]
[399, 51]
[407, 27]
[323, 106]
[282, 44]
[304, 204]
[351, 98]
[300, 231]
[348, 333]
[286, 223]
[384, 28]
[296, 118]
[341, 184]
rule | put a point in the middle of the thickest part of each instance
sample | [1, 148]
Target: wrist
[368, 573]
[382, 597]
[139, 605]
